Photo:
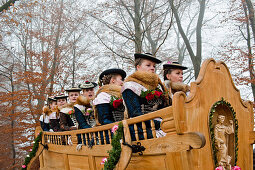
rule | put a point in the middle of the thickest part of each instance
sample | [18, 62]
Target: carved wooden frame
[211, 129]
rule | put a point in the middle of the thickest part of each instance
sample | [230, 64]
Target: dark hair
[107, 79]
[138, 62]
[50, 101]
[167, 71]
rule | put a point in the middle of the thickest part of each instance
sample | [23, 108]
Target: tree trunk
[12, 120]
[137, 24]
[199, 37]
[56, 50]
[196, 59]
[250, 56]
[74, 56]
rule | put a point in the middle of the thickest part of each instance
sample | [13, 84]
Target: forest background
[49, 45]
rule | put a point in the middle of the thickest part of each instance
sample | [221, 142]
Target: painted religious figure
[221, 133]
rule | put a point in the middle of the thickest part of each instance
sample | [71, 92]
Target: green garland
[212, 111]
[32, 154]
[114, 153]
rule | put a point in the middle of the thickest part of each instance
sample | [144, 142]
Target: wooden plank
[92, 163]
[77, 162]
[54, 160]
[252, 137]
[66, 161]
[150, 162]
[179, 112]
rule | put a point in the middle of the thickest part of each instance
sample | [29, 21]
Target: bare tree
[145, 23]
[195, 58]
[249, 14]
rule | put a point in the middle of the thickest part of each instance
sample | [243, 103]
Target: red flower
[149, 96]
[116, 103]
[158, 93]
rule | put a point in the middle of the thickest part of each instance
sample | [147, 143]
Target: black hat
[73, 89]
[87, 85]
[113, 71]
[61, 96]
[147, 56]
[51, 98]
[173, 65]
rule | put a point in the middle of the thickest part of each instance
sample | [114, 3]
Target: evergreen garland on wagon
[32, 154]
[114, 153]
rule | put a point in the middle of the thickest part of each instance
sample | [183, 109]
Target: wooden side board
[213, 84]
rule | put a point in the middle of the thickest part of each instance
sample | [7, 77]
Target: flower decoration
[236, 168]
[23, 166]
[89, 111]
[71, 112]
[103, 161]
[116, 102]
[115, 128]
[169, 62]
[219, 168]
[30, 150]
[158, 93]
[151, 94]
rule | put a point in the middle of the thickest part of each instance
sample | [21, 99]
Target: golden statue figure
[221, 131]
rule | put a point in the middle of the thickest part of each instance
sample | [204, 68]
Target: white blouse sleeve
[102, 98]
[135, 87]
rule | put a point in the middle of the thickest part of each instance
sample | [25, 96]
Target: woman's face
[73, 96]
[146, 65]
[175, 76]
[61, 102]
[53, 105]
[88, 93]
[117, 80]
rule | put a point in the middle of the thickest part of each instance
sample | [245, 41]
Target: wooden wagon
[193, 130]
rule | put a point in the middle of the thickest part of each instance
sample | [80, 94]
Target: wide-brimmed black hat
[51, 99]
[174, 65]
[61, 96]
[73, 89]
[88, 85]
[113, 71]
[147, 56]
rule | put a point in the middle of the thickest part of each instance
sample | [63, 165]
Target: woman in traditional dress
[47, 110]
[86, 117]
[173, 77]
[67, 117]
[61, 100]
[143, 92]
[108, 102]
